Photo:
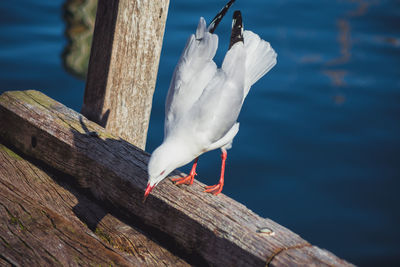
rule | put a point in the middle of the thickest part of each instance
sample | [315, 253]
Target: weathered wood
[214, 230]
[49, 222]
[123, 66]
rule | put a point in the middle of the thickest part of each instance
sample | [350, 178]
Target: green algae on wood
[10, 152]
[104, 236]
[115, 172]
[44, 219]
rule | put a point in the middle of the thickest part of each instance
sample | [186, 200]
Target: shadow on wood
[38, 226]
[201, 228]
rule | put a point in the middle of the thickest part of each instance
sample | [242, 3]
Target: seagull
[204, 101]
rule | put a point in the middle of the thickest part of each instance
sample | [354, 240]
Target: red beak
[147, 192]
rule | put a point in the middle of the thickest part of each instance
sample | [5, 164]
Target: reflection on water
[344, 42]
[79, 16]
[318, 148]
[336, 72]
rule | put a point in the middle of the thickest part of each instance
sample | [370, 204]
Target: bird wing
[217, 109]
[193, 72]
[247, 60]
[260, 58]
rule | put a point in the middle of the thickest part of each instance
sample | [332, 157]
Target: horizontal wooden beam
[47, 222]
[213, 230]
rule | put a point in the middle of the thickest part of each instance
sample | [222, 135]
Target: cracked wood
[213, 230]
[123, 66]
[45, 221]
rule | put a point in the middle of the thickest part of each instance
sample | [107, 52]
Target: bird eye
[162, 172]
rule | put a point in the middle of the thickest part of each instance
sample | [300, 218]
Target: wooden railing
[200, 228]
[71, 191]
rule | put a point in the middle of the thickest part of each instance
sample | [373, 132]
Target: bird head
[166, 158]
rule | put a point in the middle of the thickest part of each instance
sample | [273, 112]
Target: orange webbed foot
[188, 179]
[214, 189]
[185, 180]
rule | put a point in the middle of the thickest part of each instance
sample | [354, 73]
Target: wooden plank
[123, 66]
[208, 229]
[305, 256]
[46, 221]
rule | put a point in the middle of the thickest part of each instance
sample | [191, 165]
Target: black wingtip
[237, 28]
[217, 19]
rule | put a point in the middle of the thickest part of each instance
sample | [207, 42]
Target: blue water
[319, 143]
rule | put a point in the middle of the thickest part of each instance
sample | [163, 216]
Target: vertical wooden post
[123, 66]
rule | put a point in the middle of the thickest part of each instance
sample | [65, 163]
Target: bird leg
[188, 179]
[216, 189]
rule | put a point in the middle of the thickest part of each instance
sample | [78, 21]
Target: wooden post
[123, 66]
[204, 229]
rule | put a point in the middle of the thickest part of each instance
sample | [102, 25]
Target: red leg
[216, 189]
[188, 179]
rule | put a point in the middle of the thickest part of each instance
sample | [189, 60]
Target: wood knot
[33, 141]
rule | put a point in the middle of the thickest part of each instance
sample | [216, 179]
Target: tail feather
[237, 29]
[201, 29]
[201, 45]
[260, 58]
[217, 19]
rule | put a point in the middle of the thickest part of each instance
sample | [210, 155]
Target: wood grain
[48, 222]
[208, 229]
[123, 66]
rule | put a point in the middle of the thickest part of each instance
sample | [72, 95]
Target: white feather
[260, 58]
[193, 72]
[204, 102]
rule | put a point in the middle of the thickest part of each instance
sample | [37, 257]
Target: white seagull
[204, 101]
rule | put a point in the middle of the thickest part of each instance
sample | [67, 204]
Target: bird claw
[184, 180]
[214, 189]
